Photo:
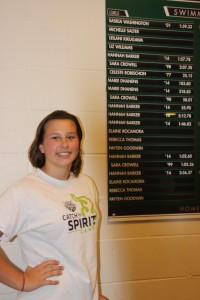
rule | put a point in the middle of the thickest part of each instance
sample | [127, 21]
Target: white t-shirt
[55, 219]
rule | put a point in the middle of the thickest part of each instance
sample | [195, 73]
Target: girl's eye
[55, 138]
[71, 137]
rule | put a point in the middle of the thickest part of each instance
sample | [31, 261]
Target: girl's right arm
[32, 278]
[10, 275]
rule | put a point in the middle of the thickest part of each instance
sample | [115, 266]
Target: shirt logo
[70, 205]
[85, 203]
[82, 219]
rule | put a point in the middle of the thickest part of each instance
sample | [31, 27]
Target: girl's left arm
[101, 297]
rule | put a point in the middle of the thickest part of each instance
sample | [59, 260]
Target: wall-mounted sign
[153, 108]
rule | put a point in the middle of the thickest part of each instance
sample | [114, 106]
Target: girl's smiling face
[60, 146]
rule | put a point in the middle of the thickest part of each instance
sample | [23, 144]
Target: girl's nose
[64, 143]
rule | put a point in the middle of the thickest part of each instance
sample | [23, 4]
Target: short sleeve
[10, 214]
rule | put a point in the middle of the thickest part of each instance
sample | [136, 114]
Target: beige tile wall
[52, 56]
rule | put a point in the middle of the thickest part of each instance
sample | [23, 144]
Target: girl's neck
[58, 174]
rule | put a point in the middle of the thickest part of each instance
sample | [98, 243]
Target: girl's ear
[41, 148]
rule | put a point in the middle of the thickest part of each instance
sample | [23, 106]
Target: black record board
[153, 108]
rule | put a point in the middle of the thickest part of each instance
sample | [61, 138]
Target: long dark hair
[37, 158]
